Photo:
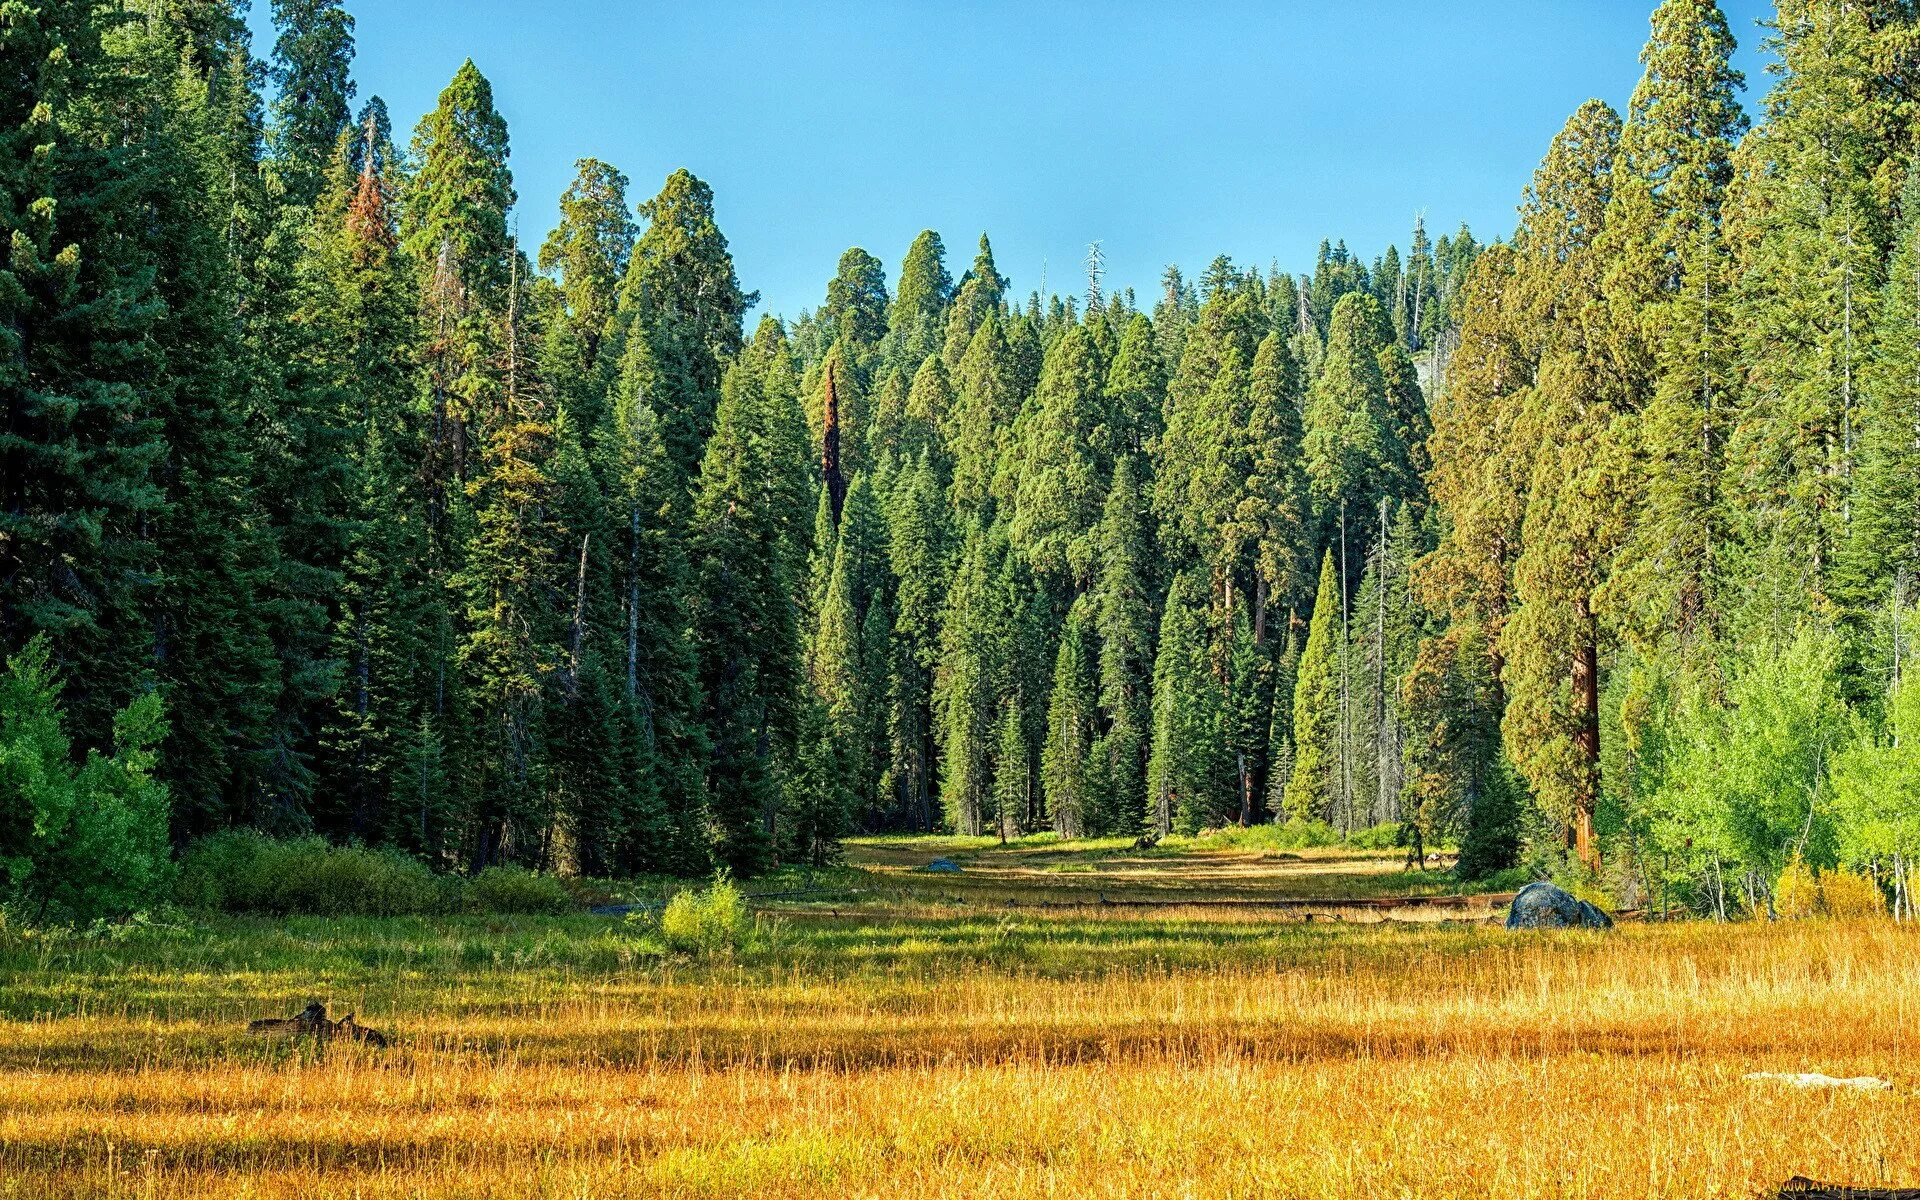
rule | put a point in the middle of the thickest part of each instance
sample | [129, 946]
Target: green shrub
[82, 836]
[515, 890]
[710, 922]
[243, 871]
[1385, 836]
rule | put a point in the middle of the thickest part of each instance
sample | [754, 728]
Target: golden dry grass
[1079, 1054]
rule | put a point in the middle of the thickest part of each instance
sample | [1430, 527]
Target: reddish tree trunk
[1586, 695]
[830, 469]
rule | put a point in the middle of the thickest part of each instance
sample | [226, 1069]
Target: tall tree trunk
[1586, 739]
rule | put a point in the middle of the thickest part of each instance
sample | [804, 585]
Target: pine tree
[1203, 453]
[1066, 759]
[1353, 453]
[1136, 390]
[1670, 290]
[1062, 479]
[1272, 516]
[231, 626]
[77, 369]
[916, 324]
[1809, 213]
[1575, 517]
[589, 251]
[987, 397]
[918, 549]
[1012, 770]
[682, 297]
[748, 544]
[1885, 549]
[849, 669]
[1313, 785]
[856, 309]
[659, 669]
[967, 695]
[312, 74]
[1185, 788]
[1123, 617]
[356, 299]
[980, 295]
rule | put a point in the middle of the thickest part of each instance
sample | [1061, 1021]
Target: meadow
[896, 1033]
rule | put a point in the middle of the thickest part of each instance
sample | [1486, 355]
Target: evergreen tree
[747, 545]
[918, 546]
[77, 369]
[987, 396]
[312, 74]
[681, 296]
[1123, 617]
[1314, 785]
[856, 309]
[916, 324]
[1066, 760]
[1062, 477]
[1574, 518]
[1184, 778]
[1670, 292]
[967, 693]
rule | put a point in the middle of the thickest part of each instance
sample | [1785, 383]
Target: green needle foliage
[503, 559]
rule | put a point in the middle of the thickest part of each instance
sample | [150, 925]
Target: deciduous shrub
[1851, 894]
[1797, 893]
[511, 890]
[243, 871]
[709, 922]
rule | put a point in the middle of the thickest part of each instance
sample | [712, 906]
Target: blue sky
[1170, 132]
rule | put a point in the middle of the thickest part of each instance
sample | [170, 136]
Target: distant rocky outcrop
[1544, 906]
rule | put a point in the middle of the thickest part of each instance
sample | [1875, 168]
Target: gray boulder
[943, 865]
[1544, 906]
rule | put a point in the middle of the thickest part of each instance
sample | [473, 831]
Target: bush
[82, 836]
[1851, 894]
[710, 922]
[1386, 836]
[243, 871]
[1796, 893]
[515, 890]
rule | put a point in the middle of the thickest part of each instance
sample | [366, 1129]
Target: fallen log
[1802, 1188]
[312, 1022]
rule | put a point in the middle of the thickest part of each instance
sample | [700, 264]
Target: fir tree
[1066, 758]
[681, 296]
[1123, 617]
[1314, 784]
[1184, 772]
[312, 72]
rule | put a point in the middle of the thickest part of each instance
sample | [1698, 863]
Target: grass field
[914, 1036]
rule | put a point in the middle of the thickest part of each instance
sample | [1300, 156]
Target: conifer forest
[333, 507]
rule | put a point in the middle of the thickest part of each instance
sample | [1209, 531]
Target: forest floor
[998, 1032]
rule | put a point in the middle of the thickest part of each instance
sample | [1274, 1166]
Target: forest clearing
[913, 1035]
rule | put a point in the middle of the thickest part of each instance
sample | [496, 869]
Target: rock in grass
[1544, 906]
[943, 865]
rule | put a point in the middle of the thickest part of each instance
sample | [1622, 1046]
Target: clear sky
[1169, 131]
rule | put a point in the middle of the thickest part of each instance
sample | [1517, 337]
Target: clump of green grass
[710, 922]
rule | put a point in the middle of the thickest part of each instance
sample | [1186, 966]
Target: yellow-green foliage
[1797, 893]
[710, 922]
[1850, 894]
